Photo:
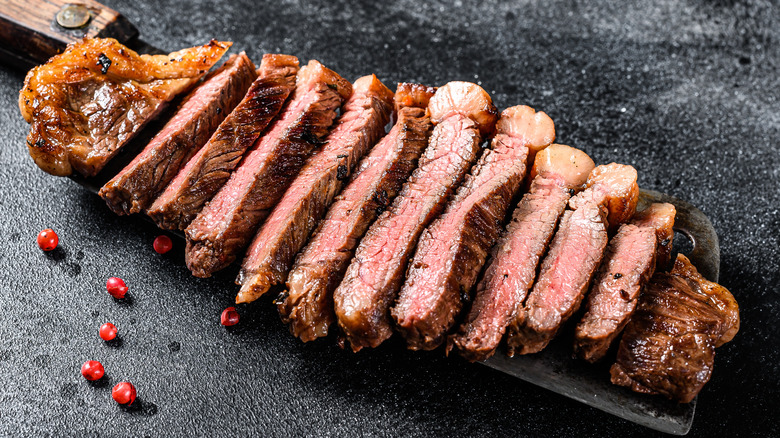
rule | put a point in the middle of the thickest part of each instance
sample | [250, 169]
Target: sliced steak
[361, 125]
[87, 102]
[408, 94]
[512, 269]
[628, 265]
[613, 186]
[362, 300]
[660, 217]
[451, 251]
[308, 303]
[224, 227]
[574, 256]
[207, 171]
[134, 188]
[668, 347]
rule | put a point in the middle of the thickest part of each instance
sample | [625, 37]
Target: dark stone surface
[685, 91]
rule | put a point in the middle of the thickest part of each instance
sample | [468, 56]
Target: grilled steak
[136, 186]
[574, 256]
[86, 103]
[668, 347]
[308, 303]
[225, 226]
[361, 125]
[613, 186]
[628, 265]
[409, 94]
[510, 273]
[452, 250]
[660, 217]
[207, 171]
[362, 300]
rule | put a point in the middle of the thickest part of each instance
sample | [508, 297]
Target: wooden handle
[31, 31]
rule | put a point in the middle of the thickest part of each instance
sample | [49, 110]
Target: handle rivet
[73, 16]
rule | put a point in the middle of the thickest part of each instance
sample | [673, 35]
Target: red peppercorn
[92, 370]
[162, 244]
[108, 331]
[229, 317]
[116, 287]
[123, 393]
[48, 239]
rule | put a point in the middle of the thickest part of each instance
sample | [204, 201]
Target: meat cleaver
[31, 31]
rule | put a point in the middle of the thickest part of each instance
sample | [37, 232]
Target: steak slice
[361, 125]
[668, 347]
[87, 102]
[362, 300]
[660, 217]
[207, 171]
[134, 188]
[308, 303]
[628, 264]
[452, 250]
[510, 273]
[224, 227]
[574, 256]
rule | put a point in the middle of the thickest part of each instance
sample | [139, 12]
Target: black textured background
[685, 91]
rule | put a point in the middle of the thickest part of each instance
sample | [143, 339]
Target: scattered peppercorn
[48, 239]
[116, 287]
[162, 244]
[92, 370]
[108, 331]
[124, 393]
[229, 317]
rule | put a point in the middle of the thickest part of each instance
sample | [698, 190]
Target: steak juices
[266, 158]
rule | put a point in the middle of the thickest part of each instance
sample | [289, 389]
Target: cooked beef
[362, 300]
[227, 223]
[451, 251]
[409, 94]
[718, 297]
[510, 273]
[361, 125]
[207, 171]
[668, 347]
[574, 256]
[134, 188]
[660, 217]
[613, 186]
[308, 303]
[629, 263]
[87, 102]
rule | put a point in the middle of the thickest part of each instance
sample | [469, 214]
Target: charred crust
[104, 62]
[342, 172]
[281, 298]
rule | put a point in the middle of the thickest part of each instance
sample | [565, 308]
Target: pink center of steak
[629, 263]
[511, 273]
[376, 273]
[453, 249]
[284, 233]
[228, 222]
[320, 268]
[574, 255]
[133, 189]
[207, 171]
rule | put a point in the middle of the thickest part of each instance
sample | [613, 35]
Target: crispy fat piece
[84, 104]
